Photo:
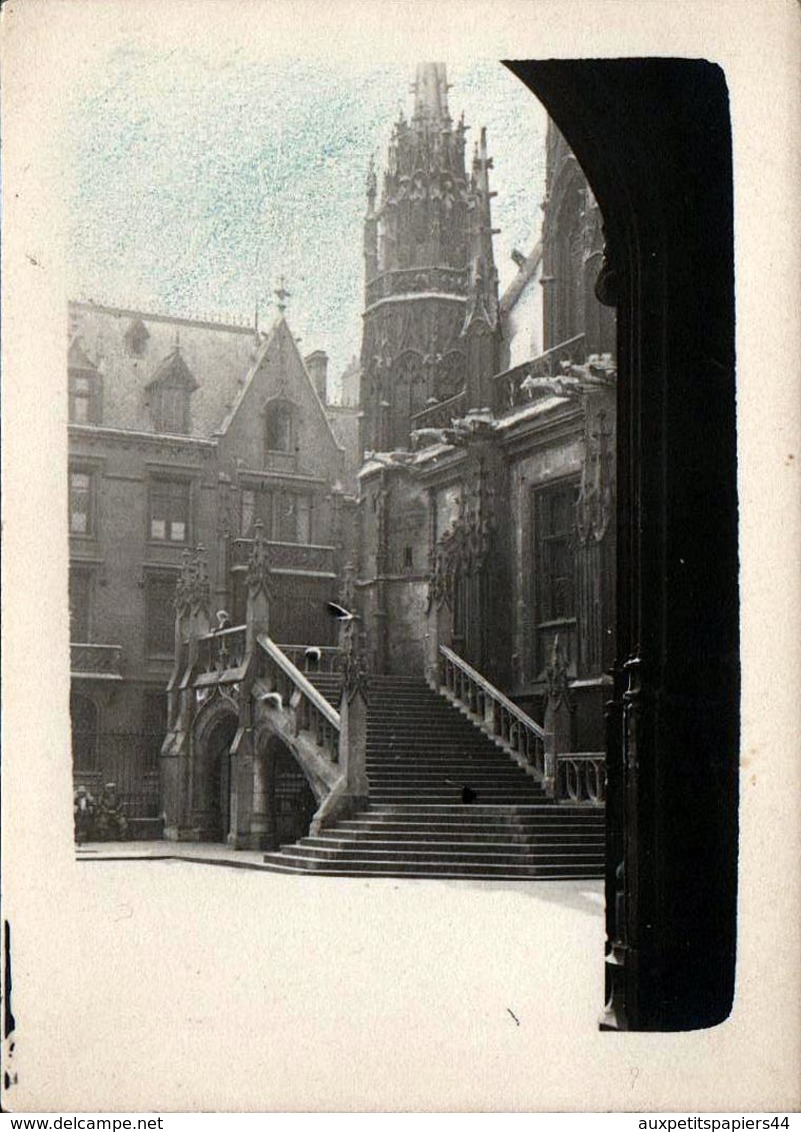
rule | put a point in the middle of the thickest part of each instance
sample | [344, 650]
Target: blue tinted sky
[193, 185]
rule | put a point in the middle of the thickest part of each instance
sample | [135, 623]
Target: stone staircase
[445, 801]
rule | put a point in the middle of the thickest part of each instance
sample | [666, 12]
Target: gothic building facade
[477, 432]
[487, 493]
[186, 433]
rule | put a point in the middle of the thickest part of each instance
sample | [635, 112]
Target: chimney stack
[317, 365]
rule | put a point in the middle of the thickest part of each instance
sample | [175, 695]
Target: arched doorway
[654, 139]
[211, 803]
[284, 802]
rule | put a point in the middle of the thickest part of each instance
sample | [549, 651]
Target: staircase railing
[496, 714]
[581, 777]
[222, 650]
[314, 658]
[309, 711]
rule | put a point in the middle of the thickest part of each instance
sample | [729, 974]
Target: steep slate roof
[217, 356]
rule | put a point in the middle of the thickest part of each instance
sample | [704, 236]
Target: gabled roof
[280, 335]
[77, 359]
[173, 370]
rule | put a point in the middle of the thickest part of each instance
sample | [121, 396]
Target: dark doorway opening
[215, 782]
[293, 799]
[654, 139]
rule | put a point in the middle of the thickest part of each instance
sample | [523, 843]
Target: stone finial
[354, 674]
[282, 295]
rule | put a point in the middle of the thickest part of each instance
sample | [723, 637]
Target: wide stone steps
[409, 835]
[288, 862]
[421, 823]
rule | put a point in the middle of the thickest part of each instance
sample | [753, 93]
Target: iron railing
[130, 761]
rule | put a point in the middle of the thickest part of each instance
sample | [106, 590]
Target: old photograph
[400, 571]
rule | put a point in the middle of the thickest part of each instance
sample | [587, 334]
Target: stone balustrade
[523, 738]
[581, 778]
[100, 662]
[309, 711]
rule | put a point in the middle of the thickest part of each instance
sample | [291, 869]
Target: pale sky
[194, 185]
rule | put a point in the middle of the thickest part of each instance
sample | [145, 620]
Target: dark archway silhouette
[654, 139]
[284, 802]
[211, 802]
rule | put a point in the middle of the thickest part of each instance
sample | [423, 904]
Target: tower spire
[431, 92]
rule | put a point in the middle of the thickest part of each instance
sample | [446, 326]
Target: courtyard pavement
[152, 983]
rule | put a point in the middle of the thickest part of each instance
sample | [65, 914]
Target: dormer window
[84, 387]
[169, 395]
[279, 427]
[136, 337]
[171, 409]
[83, 398]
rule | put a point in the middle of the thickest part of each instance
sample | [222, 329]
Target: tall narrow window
[257, 507]
[304, 506]
[248, 514]
[81, 502]
[278, 427]
[169, 510]
[287, 518]
[84, 398]
[172, 409]
[554, 532]
[80, 604]
[160, 614]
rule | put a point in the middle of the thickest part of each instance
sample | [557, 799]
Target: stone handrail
[287, 555]
[581, 777]
[221, 650]
[495, 714]
[441, 414]
[331, 657]
[312, 712]
[511, 386]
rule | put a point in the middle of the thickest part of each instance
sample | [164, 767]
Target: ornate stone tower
[431, 285]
